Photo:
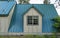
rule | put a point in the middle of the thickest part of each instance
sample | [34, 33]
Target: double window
[32, 20]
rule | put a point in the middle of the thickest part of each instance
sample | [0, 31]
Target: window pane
[32, 20]
[35, 21]
[35, 17]
[29, 17]
[29, 20]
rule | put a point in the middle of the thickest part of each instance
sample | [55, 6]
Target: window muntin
[29, 20]
[32, 20]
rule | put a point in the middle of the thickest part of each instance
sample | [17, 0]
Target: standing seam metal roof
[48, 12]
[5, 7]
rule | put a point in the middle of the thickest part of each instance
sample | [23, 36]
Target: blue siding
[48, 12]
[5, 7]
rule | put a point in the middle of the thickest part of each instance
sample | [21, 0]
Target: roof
[5, 7]
[6, 0]
[47, 10]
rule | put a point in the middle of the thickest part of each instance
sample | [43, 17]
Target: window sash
[32, 20]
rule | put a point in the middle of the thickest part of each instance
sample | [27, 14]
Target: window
[32, 20]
